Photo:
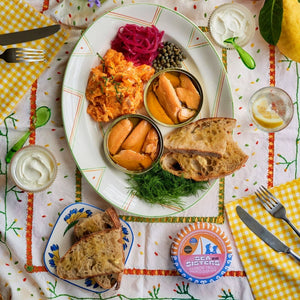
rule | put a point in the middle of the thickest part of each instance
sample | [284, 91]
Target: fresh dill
[158, 186]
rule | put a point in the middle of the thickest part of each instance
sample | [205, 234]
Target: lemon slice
[265, 115]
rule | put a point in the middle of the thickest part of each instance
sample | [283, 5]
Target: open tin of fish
[133, 144]
[173, 97]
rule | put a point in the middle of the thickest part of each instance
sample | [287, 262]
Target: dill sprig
[158, 186]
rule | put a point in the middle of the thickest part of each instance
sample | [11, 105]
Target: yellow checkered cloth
[16, 78]
[272, 275]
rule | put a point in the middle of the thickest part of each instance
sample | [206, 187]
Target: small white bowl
[231, 20]
[33, 168]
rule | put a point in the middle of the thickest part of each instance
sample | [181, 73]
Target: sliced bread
[99, 253]
[203, 168]
[206, 136]
[108, 281]
[98, 222]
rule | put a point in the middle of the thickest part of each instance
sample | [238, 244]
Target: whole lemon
[289, 40]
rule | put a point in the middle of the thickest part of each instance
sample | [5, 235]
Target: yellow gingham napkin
[16, 79]
[271, 275]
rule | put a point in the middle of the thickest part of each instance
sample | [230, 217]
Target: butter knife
[28, 35]
[264, 234]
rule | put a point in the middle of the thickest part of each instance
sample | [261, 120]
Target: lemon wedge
[265, 115]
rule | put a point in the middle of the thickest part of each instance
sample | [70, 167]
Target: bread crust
[99, 253]
[98, 222]
[207, 136]
[204, 167]
[203, 150]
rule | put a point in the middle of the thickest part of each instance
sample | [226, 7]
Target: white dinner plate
[85, 136]
[62, 238]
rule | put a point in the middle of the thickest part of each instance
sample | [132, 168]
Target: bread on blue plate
[99, 253]
[102, 220]
[98, 222]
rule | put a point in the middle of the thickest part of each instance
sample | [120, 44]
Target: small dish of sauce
[231, 20]
[33, 168]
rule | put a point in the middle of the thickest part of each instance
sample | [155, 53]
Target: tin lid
[201, 253]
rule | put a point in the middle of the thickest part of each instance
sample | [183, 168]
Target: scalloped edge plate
[61, 239]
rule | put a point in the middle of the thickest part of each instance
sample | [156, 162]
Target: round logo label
[201, 253]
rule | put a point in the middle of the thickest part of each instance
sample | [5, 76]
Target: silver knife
[265, 234]
[27, 35]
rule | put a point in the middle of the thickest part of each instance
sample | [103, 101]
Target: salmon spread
[115, 87]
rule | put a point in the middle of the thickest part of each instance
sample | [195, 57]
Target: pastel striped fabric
[271, 275]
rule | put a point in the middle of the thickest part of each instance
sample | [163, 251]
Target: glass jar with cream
[231, 20]
[33, 168]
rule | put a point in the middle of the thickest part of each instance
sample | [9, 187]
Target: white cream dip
[231, 20]
[33, 168]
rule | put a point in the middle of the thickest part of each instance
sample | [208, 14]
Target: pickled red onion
[138, 44]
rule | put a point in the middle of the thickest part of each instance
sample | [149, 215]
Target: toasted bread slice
[99, 253]
[203, 137]
[99, 222]
[203, 168]
[108, 281]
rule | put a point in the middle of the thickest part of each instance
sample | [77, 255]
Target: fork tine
[16, 55]
[31, 50]
[30, 55]
[266, 198]
[270, 196]
[29, 60]
[264, 203]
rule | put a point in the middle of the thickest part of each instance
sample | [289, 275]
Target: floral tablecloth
[27, 219]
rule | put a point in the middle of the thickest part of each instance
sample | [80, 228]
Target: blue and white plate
[62, 238]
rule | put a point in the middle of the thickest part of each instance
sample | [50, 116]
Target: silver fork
[273, 206]
[17, 55]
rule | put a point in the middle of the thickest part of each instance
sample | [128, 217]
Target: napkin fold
[272, 275]
[16, 78]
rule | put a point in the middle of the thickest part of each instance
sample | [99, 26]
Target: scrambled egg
[116, 87]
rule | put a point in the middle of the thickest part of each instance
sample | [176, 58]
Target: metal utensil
[28, 35]
[273, 206]
[17, 55]
[246, 58]
[41, 118]
[264, 234]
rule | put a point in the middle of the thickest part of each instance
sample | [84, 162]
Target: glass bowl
[133, 144]
[271, 109]
[33, 168]
[173, 97]
[231, 20]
